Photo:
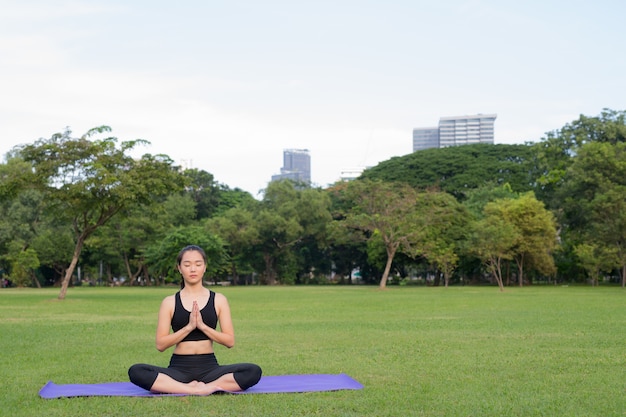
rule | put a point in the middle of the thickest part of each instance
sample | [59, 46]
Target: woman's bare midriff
[199, 347]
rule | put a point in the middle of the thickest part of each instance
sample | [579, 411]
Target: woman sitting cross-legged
[193, 314]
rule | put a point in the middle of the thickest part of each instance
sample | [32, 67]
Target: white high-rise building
[466, 130]
[455, 131]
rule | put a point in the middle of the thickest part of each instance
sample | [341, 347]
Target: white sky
[226, 85]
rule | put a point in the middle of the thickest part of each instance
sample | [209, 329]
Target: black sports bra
[181, 318]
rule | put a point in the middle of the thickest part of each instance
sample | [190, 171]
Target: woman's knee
[142, 375]
[248, 376]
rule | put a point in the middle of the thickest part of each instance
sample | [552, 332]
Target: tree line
[85, 210]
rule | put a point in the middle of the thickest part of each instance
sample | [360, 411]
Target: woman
[193, 314]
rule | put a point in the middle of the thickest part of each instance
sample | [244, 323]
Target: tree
[212, 198]
[595, 258]
[161, 255]
[492, 240]
[593, 198]
[233, 198]
[444, 221]
[609, 225]
[121, 243]
[203, 190]
[556, 152]
[535, 230]
[20, 222]
[54, 245]
[23, 263]
[477, 199]
[21, 217]
[346, 246]
[177, 210]
[386, 209]
[287, 216]
[568, 177]
[87, 181]
[236, 227]
[459, 169]
[15, 175]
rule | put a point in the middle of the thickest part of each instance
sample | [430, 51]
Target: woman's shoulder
[219, 299]
[218, 295]
[169, 300]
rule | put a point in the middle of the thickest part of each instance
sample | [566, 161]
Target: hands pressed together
[195, 318]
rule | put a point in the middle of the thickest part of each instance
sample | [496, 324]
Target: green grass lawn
[460, 351]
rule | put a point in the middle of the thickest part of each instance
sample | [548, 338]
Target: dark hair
[182, 252]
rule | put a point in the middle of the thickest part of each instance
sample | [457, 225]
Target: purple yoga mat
[267, 385]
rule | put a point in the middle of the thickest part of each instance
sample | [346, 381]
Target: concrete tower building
[296, 166]
[425, 137]
[466, 130]
[455, 131]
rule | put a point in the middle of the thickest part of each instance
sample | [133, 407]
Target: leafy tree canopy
[161, 255]
[556, 152]
[459, 169]
[86, 181]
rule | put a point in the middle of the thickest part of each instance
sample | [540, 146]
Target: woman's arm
[226, 335]
[165, 339]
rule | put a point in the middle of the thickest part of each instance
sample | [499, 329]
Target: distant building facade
[296, 166]
[425, 137]
[456, 131]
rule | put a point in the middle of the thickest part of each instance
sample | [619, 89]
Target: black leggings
[187, 368]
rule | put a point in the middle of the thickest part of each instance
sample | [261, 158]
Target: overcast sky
[225, 86]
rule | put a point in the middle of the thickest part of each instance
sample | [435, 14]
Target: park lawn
[460, 351]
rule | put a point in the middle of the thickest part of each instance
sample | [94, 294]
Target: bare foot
[207, 389]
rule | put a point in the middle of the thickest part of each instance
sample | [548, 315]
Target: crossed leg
[230, 378]
[166, 384]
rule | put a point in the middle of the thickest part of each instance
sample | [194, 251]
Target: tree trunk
[520, 270]
[497, 272]
[35, 281]
[269, 270]
[437, 280]
[70, 270]
[129, 274]
[234, 274]
[390, 254]
[146, 275]
[109, 275]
